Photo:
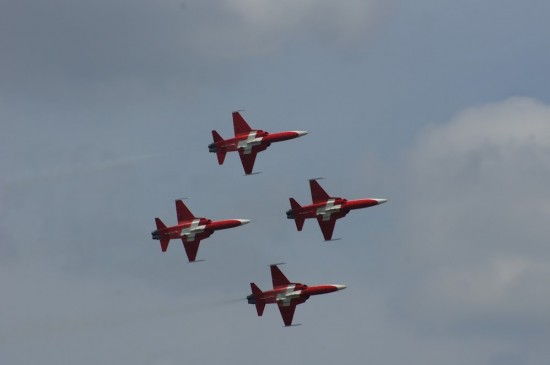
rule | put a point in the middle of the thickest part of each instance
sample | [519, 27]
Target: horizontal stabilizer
[216, 136]
[159, 224]
[255, 290]
[294, 204]
[164, 244]
[260, 304]
[296, 207]
[299, 223]
[221, 157]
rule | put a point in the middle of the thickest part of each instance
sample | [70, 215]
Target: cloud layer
[476, 224]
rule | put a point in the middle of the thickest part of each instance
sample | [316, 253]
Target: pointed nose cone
[244, 221]
[340, 287]
[381, 201]
[300, 133]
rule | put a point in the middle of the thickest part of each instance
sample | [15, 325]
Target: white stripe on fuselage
[287, 296]
[192, 230]
[328, 209]
[248, 143]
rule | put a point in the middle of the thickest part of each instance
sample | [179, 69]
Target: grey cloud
[92, 44]
[86, 86]
[475, 220]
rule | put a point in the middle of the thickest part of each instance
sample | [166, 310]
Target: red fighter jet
[191, 230]
[247, 141]
[326, 209]
[287, 295]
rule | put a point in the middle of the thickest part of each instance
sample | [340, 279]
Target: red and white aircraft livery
[190, 229]
[287, 295]
[326, 209]
[247, 141]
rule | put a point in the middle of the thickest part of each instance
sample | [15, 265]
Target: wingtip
[192, 262]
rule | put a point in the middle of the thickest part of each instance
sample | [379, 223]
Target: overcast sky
[442, 107]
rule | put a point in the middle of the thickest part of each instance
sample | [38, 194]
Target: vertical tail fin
[260, 304]
[299, 220]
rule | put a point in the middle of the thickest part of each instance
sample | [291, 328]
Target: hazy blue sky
[442, 107]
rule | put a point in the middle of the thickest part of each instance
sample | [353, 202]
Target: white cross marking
[328, 209]
[287, 296]
[249, 143]
[192, 230]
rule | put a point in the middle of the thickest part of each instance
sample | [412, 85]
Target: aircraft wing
[318, 194]
[183, 213]
[278, 278]
[327, 227]
[248, 160]
[287, 312]
[240, 125]
[191, 248]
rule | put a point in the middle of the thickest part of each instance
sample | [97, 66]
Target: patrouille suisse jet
[191, 230]
[326, 209]
[247, 141]
[287, 295]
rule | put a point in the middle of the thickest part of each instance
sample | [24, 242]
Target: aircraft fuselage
[296, 293]
[256, 139]
[198, 228]
[332, 208]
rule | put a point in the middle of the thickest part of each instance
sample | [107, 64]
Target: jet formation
[247, 141]
[190, 229]
[326, 209]
[286, 295]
